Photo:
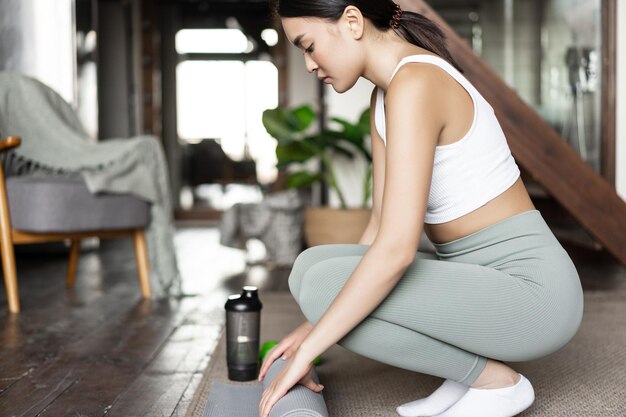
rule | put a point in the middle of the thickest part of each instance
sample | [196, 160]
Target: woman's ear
[355, 21]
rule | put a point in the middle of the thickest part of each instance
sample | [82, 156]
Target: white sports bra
[470, 172]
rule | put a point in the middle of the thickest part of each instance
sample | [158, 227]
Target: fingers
[294, 372]
[286, 347]
[271, 356]
[313, 386]
[263, 401]
[270, 396]
[308, 382]
[287, 354]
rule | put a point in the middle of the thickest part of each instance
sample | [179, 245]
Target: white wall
[350, 173]
[37, 39]
[620, 162]
[301, 86]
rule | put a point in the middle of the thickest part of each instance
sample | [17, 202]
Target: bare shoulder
[420, 86]
[426, 79]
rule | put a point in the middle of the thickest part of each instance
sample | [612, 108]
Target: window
[225, 99]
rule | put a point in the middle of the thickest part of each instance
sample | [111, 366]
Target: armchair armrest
[9, 142]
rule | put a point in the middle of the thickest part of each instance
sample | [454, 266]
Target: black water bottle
[243, 319]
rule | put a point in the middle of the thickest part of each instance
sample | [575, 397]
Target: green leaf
[349, 131]
[276, 123]
[302, 117]
[333, 139]
[364, 121]
[285, 124]
[288, 126]
[342, 150]
[293, 152]
[367, 187]
[302, 179]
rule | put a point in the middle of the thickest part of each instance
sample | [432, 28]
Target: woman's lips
[327, 80]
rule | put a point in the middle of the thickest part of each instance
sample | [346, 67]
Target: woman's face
[329, 48]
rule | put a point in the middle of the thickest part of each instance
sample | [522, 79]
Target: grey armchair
[37, 209]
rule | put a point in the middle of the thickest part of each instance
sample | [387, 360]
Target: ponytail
[423, 32]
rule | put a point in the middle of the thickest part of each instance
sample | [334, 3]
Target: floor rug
[587, 378]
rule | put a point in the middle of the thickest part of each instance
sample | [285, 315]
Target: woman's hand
[297, 370]
[286, 348]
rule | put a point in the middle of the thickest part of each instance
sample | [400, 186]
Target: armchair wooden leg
[71, 265]
[10, 273]
[143, 268]
[6, 237]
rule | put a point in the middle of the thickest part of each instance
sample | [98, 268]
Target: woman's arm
[415, 118]
[378, 177]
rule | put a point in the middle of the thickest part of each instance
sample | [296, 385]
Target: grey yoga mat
[228, 400]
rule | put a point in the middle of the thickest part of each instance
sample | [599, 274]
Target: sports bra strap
[441, 63]
[477, 98]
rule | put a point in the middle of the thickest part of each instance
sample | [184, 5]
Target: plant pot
[325, 225]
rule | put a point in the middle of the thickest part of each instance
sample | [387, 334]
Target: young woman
[500, 287]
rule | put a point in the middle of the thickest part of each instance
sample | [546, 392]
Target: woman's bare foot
[496, 375]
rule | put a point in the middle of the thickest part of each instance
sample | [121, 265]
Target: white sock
[499, 402]
[443, 398]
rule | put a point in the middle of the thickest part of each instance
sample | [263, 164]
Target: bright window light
[225, 100]
[220, 41]
[270, 36]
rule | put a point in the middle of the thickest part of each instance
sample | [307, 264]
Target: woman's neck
[383, 57]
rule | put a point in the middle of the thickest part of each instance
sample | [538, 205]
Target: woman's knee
[312, 256]
[300, 266]
[321, 284]
[310, 296]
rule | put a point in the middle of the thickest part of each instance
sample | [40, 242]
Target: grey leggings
[508, 292]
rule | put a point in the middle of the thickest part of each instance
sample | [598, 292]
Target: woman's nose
[311, 66]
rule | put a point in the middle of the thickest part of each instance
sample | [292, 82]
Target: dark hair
[414, 27]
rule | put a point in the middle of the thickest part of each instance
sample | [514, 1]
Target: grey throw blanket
[53, 140]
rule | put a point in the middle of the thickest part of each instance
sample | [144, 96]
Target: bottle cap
[250, 292]
[247, 301]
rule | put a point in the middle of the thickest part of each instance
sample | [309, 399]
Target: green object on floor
[265, 347]
[268, 345]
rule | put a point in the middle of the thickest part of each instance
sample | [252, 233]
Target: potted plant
[297, 147]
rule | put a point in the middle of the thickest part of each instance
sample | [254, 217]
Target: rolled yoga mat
[227, 400]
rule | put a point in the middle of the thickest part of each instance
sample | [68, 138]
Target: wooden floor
[98, 350]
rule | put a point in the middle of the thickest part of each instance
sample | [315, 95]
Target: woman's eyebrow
[297, 40]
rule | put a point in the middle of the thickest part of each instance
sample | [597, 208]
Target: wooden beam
[20, 237]
[541, 151]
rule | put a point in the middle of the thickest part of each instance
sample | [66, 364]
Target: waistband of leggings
[528, 223]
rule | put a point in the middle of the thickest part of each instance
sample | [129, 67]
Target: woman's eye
[309, 49]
